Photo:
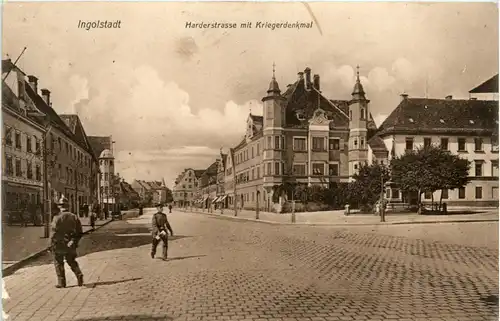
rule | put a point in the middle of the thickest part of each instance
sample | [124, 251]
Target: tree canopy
[368, 183]
[429, 169]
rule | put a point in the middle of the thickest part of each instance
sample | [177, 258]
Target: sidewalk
[20, 243]
[338, 217]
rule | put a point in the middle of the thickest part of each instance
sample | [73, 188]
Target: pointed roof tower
[358, 93]
[274, 89]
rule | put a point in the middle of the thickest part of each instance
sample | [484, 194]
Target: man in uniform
[66, 233]
[160, 225]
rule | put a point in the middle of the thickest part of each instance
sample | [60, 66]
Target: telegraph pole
[15, 62]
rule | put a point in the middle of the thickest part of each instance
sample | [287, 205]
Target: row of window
[444, 144]
[362, 114]
[478, 193]
[70, 176]
[13, 167]
[106, 162]
[181, 194]
[478, 168]
[70, 150]
[32, 143]
[318, 144]
[247, 154]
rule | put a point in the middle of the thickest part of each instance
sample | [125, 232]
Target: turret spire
[274, 89]
[358, 92]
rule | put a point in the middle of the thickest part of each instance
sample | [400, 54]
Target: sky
[172, 96]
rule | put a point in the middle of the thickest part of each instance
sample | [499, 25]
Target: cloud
[156, 85]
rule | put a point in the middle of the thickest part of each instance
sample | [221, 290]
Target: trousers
[154, 245]
[70, 257]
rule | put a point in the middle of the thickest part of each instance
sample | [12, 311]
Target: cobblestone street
[236, 270]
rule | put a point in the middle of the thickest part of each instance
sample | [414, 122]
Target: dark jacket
[160, 223]
[66, 227]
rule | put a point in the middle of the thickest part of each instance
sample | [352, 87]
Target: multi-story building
[186, 187]
[71, 165]
[468, 128]
[23, 135]
[152, 191]
[102, 146]
[107, 179]
[303, 137]
[207, 186]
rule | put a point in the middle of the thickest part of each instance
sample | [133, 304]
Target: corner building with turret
[303, 137]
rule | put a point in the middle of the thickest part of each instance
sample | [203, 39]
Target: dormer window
[441, 121]
[411, 120]
[471, 122]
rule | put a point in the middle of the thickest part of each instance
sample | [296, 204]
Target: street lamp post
[47, 194]
[257, 204]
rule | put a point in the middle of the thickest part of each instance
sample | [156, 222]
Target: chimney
[307, 73]
[449, 97]
[33, 83]
[301, 75]
[316, 82]
[46, 96]
[404, 96]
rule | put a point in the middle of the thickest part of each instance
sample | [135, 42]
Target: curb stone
[19, 264]
[221, 216]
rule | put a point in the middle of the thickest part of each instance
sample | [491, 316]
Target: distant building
[207, 186]
[186, 187]
[127, 197]
[107, 178]
[151, 192]
[468, 128]
[102, 147]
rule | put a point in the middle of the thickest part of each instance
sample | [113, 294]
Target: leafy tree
[368, 185]
[429, 169]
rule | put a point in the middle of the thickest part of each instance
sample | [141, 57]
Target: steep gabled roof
[211, 170]
[489, 86]
[198, 172]
[75, 125]
[419, 115]
[100, 143]
[54, 118]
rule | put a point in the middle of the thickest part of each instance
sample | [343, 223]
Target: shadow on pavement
[185, 257]
[141, 317]
[93, 285]
[119, 235]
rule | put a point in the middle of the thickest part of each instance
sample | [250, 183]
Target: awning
[222, 198]
[205, 199]
[215, 200]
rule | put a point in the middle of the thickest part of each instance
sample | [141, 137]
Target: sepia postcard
[252, 161]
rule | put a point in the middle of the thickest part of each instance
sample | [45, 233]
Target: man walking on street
[66, 233]
[160, 225]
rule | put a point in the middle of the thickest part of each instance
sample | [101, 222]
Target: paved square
[231, 270]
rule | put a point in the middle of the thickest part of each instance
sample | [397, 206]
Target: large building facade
[42, 141]
[468, 128]
[306, 138]
[303, 137]
[23, 135]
